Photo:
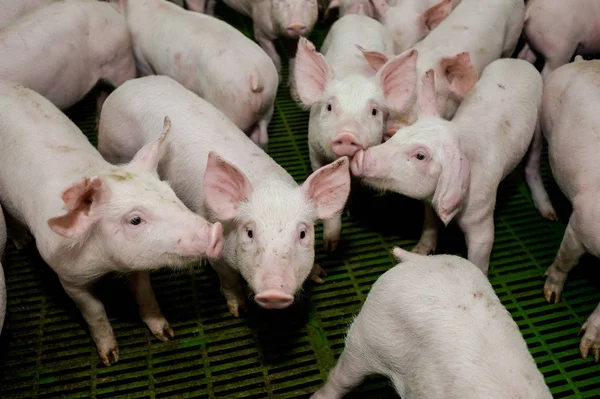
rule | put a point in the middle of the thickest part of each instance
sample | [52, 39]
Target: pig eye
[329, 107]
[135, 220]
[374, 112]
[250, 233]
[302, 234]
[420, 156]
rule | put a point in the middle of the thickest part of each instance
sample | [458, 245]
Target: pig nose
[357, 163]
[296, 29]
[215, 241]
[273, 299]
[345, 145]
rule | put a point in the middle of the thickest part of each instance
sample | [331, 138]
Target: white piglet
[2, 281]
[434, 326]
[473, 35]
[457, 166]
[207, 56]
[217, 171]
[64, 49]
[348, 101]
[557, 29]
[571, 124]
[90, 218]
[410, 21]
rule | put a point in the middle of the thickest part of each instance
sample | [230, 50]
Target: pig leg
[95, 315]
[559, 55]
[18, 233]
[260, 134]
[231, 287]
[102, 96]
[534, 179]
[140, 285]
[210, 7]
[431, 224]
[480, 239]
[567, 257]
[196, 5]
[591, 339]
[267, 45]
[527, 54]
[349, 372]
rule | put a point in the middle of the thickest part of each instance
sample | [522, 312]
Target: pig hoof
[316, 273]
[110, 355]
[551, 293]
[331, 245]
[236, 306]
[165, 335]
[294, 94]
[554, 284]
[423, 249]
[590, 341]
[550, 215]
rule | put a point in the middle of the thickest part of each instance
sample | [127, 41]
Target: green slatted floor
[46, 352]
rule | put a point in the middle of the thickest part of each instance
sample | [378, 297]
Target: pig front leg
[95, 315]
[480, 239]
[431, 223]
[18, 233]
[348, 373]
[231, 287]
[140, 285]
[591, 339]
[267, 45]
[567, 257]
[534, 179]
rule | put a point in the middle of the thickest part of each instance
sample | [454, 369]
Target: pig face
[422, 161]
[349, 114]
[406, 24]
[294, 18]
[136, 219]
[270, 226]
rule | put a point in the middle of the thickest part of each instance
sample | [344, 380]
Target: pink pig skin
[11, 10]
[457, 166]
[558, 29]
[217, 171]
[64, 49]
[90, 218]
[571, 125]
[207, 56]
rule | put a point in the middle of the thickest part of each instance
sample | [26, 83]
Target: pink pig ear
[376, 59]
[453, 183]
[312, 72]
[433, 16]
[147, 158]
[427, 99]
[398, 78]
[328, 188]
[79, 199]
[225, 187]
[460, 73]
[381, 8]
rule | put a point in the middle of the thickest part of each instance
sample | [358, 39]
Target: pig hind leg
[567, 257]
[350, 371]
[231, 287]
[591, 339]
[332, 230]
[94, 314]
[429, 237]
[534, 179]
[480, 239]
[140, 285]
[260, 134]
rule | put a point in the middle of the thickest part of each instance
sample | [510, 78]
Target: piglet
[410, 21]
[2, 283]
[457, 166]
[64, 49]
[90, 218]
[207, 56]
[11, 10]
[434, 326]
[346, 7]
[475, 34]
[558, 29]
[217, 171]
[272, 19]
[570, 122]
[348, 101]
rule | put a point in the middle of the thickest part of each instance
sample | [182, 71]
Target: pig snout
[209, 240]
[357, 163]
[346, 144]
[274, 299]
[296, 30]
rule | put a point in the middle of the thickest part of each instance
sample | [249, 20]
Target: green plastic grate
[46, 351]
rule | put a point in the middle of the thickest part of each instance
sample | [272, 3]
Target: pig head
[270, 224]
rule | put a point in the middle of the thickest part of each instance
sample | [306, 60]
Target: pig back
[197, 128]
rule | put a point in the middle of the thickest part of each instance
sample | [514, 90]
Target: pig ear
[460, 73]
[398, 77]
[225, 187]
[147, 158]
[312, 72]
[356, 8]
[381, 8]
[427, 99]
[328, 188]
[433, 16]
[376, 59]
[79, 200]
[453, 183]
